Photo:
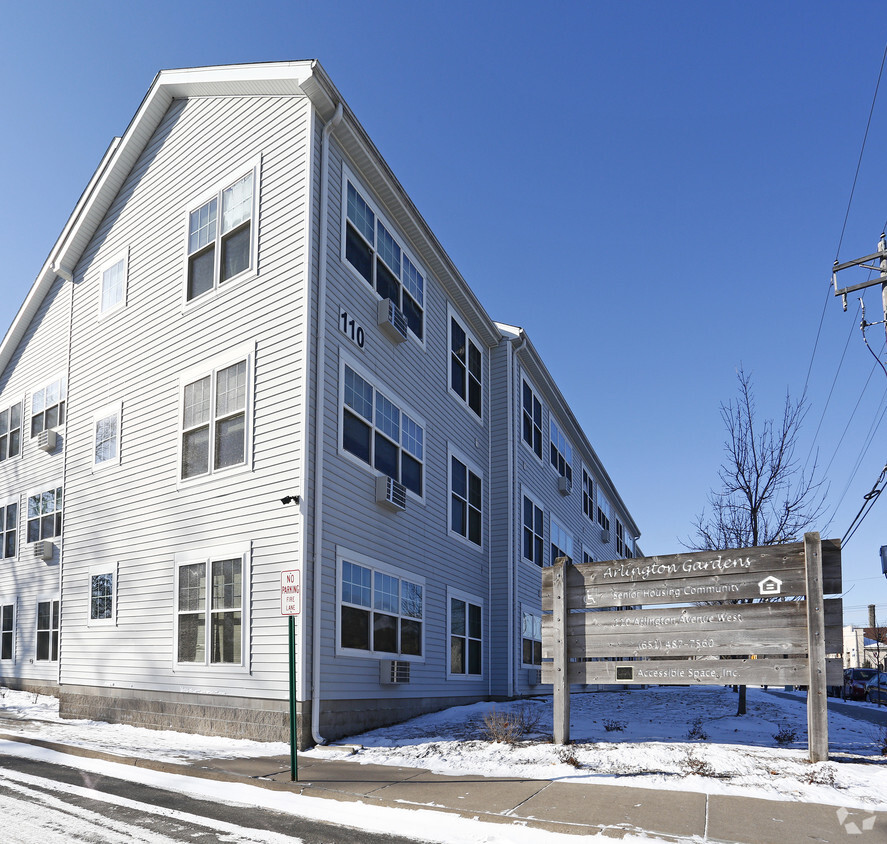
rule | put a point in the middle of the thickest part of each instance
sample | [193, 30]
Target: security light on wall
[290, 499]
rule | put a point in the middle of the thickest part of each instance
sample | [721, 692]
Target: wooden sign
[604, 623]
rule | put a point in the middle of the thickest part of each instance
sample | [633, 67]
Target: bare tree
[765, 497]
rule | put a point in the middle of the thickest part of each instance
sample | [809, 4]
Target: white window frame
[558, 531]
[4, 450]
[98, 570]
[61, 404]
[16, 528]
[54, 488]
[524, 416]
[589, 508]
[233, 176]
[392, 398]
[52, 629]
[14, 604]
[471, 469]
[106, 267]
[587, 556]
[624, 548]
[112, 410]
[207, 556]
[346, 555]
[470, 340]
[394, 233]
[537, 505]
[604, 511]
[468, 599]
[210, 368]
[560, 445]
[531, 630]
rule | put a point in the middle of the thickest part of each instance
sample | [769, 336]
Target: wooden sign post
[705, 618]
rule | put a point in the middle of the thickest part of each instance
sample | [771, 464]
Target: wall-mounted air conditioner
[43, 550]
[390, 493]
[605, 535]
[564, 485]
[534, 676]
[393, 672]
[392, 321]
[47, 440]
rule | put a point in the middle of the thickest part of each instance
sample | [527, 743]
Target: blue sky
[655, 191]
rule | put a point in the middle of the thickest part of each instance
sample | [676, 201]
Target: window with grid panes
[534, 542]
[379, 612]
[588, 495]
[220, 237]
[561, 542]
[47, 631]
[532, 420]
[603, 511]
[624, 545]
[214, 422]
[45, 515]
[8, 529]
[466, 637]
[10, 431]
[561, 451]
[531, 639]
[466, 500]
[209, 609]
[378, 432]
[466, 364]
[48, 407]
[374, 252]
[7, 631]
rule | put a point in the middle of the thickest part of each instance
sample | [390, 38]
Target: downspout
[320, 376]
[68, 276]
[514, 348]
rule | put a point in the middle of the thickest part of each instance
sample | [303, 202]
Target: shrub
[699, 767]
[696, 731]
[785, 735]
[511, 726]
[568, 757]
[612, 726]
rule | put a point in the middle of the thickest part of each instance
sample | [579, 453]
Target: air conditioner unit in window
[564, 485]
[47, 440]
[392, 321]
[605, 535]
[534, 676]
[393, 672]
[390, 493]
[43, 550]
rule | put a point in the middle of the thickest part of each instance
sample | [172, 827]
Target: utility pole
[881, 257]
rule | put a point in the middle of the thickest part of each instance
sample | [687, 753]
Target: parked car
[854, 682]
[876, 688]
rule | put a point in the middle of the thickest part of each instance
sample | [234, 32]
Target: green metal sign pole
[294, 763]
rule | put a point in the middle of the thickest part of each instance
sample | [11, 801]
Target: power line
[869, 501]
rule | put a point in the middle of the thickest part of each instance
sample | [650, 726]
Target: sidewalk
[551, 805]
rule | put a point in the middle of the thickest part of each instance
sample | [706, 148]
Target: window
[465, 366]
[603, 511]
[561, 542]
[113, 293]
[209, 610]
[214, 429]
[587, 556]
[380, 612]
[221, 236]
[466, 635]
[102, 584]
[7, 631]
[10, 432]
[624, 542]
[587, 495]
[374, 253]
[532, 416]
[106, 431]
[534, 542]
[466, 494]
[45, 515]
[48, 630]
[48, 407]
[531, 639]
[378, 432]
[561, 451]
[8, 529]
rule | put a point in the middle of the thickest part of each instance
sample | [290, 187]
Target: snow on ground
[680, 738]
